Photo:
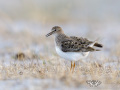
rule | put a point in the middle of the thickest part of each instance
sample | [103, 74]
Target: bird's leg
[74, 66]
[71, 66]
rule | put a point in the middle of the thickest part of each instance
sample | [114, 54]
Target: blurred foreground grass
[57, 70]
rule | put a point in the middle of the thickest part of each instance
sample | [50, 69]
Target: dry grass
[54, 68]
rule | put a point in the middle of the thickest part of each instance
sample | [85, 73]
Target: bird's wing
[85, 40]
[74, 44]
[81, 40]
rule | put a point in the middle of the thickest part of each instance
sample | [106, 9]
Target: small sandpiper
[72, 48]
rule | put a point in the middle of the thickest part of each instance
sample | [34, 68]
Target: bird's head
[55, 30]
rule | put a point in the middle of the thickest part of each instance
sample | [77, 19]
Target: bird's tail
[96, 44]
[92, 49]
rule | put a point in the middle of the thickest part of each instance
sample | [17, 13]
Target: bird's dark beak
[49, 33]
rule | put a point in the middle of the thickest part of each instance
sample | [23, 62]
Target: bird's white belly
[72, 56]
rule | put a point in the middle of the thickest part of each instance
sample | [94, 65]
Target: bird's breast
[72, 56]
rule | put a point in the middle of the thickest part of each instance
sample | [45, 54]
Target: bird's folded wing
[85, 40]
[74, 45]
[81, 40]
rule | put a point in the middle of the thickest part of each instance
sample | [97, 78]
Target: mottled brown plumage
[72, 43]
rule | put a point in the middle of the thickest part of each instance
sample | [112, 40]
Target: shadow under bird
[72, 48]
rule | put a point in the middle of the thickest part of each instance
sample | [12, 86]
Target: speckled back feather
[74, 44]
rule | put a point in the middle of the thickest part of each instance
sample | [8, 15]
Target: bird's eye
[55, 29]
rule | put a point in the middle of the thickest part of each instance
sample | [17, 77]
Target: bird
[72, 48]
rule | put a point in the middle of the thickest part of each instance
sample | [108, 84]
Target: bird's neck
[59, 38]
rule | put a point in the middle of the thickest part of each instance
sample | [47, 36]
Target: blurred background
[24, 24]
